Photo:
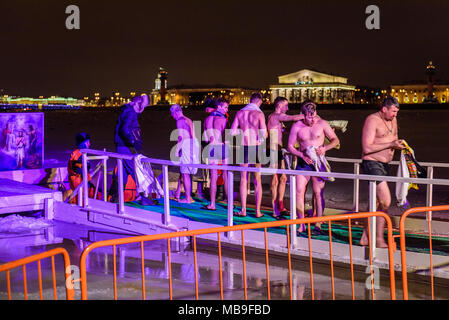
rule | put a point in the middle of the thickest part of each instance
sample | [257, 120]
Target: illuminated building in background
[317, 86]
[41, 101]
[431, 91]
[198, 95]
[159, 93]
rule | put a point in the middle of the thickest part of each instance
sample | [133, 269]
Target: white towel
[319, 162]
[251, 107]
[146, 183]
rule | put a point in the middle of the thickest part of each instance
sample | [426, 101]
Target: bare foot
[364, 240]
[185, 200]
[240, 214]
[259, 215]
[381, 244]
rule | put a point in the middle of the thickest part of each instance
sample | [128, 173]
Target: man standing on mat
[310, 132]
[379, 141]
[217, 150]
[187, 149]
[250, 122]
[276, 128]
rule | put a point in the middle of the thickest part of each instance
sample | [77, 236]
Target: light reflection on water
[156, 269]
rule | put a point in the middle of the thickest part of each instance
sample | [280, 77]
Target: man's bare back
[250, 122]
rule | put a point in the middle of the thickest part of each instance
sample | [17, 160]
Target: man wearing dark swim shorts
[379, 142]
[375, 168]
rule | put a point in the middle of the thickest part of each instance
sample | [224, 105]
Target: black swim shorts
[302, 165]
[375, 168]
[251, 154]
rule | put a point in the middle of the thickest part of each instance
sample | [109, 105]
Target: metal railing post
[166, 195]
[372, 208]
[105, 180]
[85, 181]
[293, 237]
[429, 193]
[230, 201]
[356, 190]
[121, 199]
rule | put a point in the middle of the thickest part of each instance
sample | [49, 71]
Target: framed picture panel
[21, 141]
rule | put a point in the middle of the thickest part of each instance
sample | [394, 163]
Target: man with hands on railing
[379, 141]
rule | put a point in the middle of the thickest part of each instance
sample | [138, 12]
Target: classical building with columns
[317, 86]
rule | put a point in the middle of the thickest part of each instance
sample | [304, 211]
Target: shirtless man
[250, 121]
[276, 129]
[379, 141]
[310, 131]
[187, 149]
[217, 150]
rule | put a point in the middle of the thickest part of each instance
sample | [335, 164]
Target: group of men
[254, 135]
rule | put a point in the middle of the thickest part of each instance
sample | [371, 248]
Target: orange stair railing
[263, 225]
[403, 245]
[7, 267]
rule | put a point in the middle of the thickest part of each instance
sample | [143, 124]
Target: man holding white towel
[310, 131]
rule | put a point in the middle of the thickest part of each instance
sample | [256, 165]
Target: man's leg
[383, 198]
[282, 183]
[187, 188]
[213, 188]
[258, 191]
[243, 190]
[274, 188]
[318, 188]
[301, 185]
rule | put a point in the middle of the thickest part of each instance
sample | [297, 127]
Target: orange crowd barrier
[403, 245]
[70, 293]
[263, 225]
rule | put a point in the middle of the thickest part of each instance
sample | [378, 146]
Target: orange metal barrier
[70, 293]
[264, 225]
[403, 248]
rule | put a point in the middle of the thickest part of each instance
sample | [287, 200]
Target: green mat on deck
[340, 233]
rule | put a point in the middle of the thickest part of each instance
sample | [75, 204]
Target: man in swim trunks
[276, 128]
[217, 150]
[250, 122]
[187, 149]
[310, 131]
[379, 141]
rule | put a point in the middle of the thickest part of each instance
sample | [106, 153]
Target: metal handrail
[403, 246]
[70, 292]
[269, 171]
[262, 225]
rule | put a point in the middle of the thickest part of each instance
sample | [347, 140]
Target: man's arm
[331, 136]
[292, 138]
[263, 126]
[369, 135]
[286, 117]
[235, 125]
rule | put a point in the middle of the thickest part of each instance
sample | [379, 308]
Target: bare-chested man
[310, 132]
[276, 129]
[187, 149]
[379, 141]
[217, 149]
[250, 122]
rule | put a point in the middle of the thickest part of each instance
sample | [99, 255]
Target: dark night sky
[121, 45]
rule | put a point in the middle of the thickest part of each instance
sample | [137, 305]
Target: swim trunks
[303, 165]
[190, 150]
[252, 154]
[277, 155]
[218, 152]
[375, 168]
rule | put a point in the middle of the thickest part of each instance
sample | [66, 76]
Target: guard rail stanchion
[293, 210]
[166, 195]
[230, 201]
[372, 208]
[356, 190]
[121, 200]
